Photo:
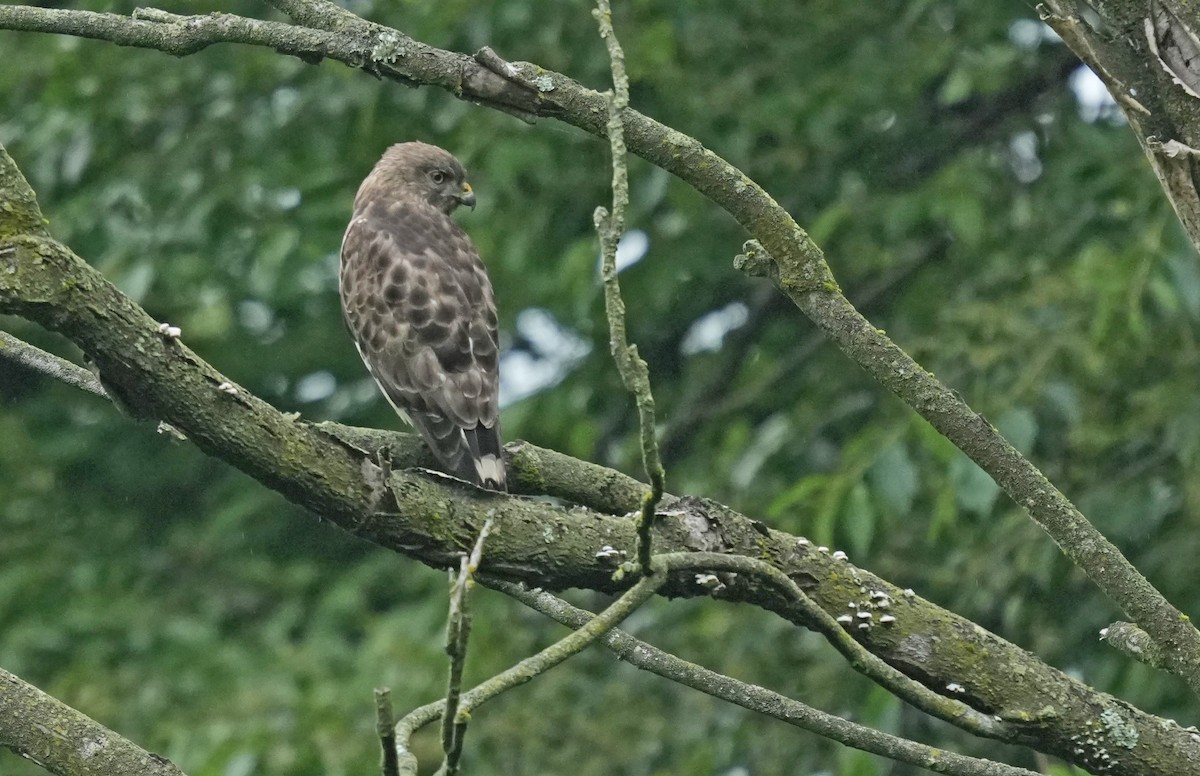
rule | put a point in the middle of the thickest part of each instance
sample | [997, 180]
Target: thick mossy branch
[65, 741]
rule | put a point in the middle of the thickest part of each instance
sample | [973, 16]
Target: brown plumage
[419, 304]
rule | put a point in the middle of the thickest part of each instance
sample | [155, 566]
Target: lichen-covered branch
[320, 14]
[23, 354]
[837, 631]
[596, 627]
[755, 698]
[62, 740]
[1130, 640]
[635, 374]
[382, 51]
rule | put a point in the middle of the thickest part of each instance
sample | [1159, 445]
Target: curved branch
[755, 698]
[528, 668]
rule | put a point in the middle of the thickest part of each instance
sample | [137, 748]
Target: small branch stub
[385, 728]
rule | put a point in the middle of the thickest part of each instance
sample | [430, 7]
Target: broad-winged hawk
[419, 304]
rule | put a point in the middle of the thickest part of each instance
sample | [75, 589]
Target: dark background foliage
[998, 223]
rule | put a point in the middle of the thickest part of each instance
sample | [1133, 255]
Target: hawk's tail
[471, 454]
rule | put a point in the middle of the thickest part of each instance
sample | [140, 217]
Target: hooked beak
[466, 196]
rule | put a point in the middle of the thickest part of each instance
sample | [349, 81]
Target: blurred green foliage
[1020, 251]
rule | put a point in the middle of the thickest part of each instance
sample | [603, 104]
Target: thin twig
[37, 360]
[870, 665]
[318, 14]
[634, 372]
[863, 660]
[385, 728]
[755, 698]
[410, 723]
[458, 631]
[528, 668]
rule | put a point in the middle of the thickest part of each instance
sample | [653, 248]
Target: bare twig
[1130, 640]
[528, 668]
[35, 359]
[458, 631]
[410, 723]
[634, 372]
[867, 663]
[755, 698]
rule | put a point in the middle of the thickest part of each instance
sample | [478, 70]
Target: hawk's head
[422, 173]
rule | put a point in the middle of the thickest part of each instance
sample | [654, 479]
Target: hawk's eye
[438, 177]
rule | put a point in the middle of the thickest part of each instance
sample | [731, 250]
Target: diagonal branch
[65, 741]
[34, 359]
[755, 698]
